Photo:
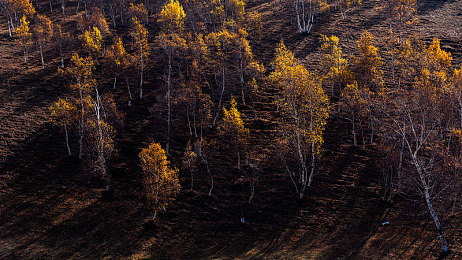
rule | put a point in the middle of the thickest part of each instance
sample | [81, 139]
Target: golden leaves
[119, 55]
[62, 112]
[368, 63]
[303, 101]
[23, 31]
[92, 40]
[172, 16]
[140, 36]
[160, 180]
[233, 124]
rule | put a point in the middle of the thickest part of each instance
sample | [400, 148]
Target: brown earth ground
[50, 210]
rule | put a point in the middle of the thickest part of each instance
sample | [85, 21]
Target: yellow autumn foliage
[92, 41]
[160, 179]
[233, 124]
[172, 16]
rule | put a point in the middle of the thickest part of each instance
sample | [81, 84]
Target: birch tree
[43, 32]
[61, 39]
[99, 137]
[233, 127]
[334, 69]
[305, 109]
[419, 117]
[92, 42]
[24, 35]
[63, 113]
[80, 72]
[171, 17]
[140, 36]
[122, 61]
[305, 13]
[160, 179]
[367, 65]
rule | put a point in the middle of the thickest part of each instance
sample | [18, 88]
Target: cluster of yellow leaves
[160, 180]
[368, 63]
[233, 124]
[224, 44]
[21, 7]
[345, 4]
[63, 112]
[190, 158]
[217, 10]
[172, 17]
[303, 100]
[140, 36]
[237, 9]
[81, 70]
[437, 60]
[334, 67]
[254, 24]
[458, 134]
[117, 54]
[356, 100]
[92, 41]
[23, 31]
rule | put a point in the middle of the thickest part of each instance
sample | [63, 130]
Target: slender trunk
[115, 81]
[313, 151]
[444, 243]
[155, 215]
[41, 56]
[439, 228]
[67, 140]
[61, 55]
[169, 107]
[192, 179]
[142, 70]
[238, 154]
[301, 159]
[86, 13]
[204, 160]
[81, 130]
[241, 69]
[11, 22]
[252, 189]
[354, 132]
[313, 160]
[9, 29]
[189, 122]
[129, 92]
[101, 145]
[221, 94]
[454, 205]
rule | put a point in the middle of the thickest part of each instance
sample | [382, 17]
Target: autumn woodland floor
[49, 210]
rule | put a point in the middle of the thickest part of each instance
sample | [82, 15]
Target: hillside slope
[50, 210]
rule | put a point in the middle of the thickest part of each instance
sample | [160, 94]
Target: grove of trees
[195, 62]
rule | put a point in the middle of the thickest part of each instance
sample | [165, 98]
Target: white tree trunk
[67, 140]
[41, 55]
[221, 95]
